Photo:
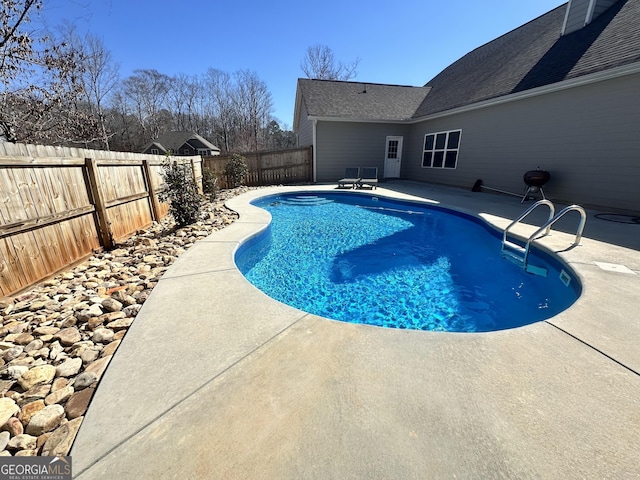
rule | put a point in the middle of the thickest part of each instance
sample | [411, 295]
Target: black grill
[534, 180]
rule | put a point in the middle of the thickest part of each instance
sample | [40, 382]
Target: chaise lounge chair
[369, 177]
[351, 177]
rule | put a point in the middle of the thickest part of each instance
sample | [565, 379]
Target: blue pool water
[363, 259]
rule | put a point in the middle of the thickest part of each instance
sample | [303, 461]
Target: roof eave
[296, 109]
[591, 78]
[358, 120]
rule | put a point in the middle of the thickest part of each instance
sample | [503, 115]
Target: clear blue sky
[404, 42]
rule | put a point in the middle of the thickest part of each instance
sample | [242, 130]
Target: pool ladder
[519, 254]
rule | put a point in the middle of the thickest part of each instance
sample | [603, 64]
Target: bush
[236, 169]
[181, 193]
[209, 183]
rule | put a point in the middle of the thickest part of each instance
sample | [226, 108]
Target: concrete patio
[215, 380]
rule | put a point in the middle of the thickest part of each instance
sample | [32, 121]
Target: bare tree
[254, 106]
[38, 80]
[100, 77]
[146, 91]
[184, 100]
[97, 81]
[128, 135]
[320, 63]
[221, 108]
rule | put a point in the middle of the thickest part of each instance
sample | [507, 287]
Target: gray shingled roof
[530, 56]
[174, 140]
[362, 101]
[535, 55]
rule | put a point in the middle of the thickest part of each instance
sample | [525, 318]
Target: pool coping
[241, 336]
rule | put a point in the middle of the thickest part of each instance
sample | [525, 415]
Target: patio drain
[614, 267]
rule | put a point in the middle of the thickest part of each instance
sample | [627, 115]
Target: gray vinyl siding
[601, 6]
[305, 129]
[577, 15]
[587, 137]
[350, 144]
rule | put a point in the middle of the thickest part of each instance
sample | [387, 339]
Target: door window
[392, 149]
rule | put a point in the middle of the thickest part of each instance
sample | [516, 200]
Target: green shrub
[236, 169]
[181, 193]
[209, 183]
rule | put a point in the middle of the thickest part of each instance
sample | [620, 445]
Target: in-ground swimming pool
[363, 259]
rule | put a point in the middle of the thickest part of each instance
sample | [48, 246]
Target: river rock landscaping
[57, 339]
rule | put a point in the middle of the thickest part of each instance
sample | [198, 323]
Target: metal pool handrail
[547, 226]
[552, 210]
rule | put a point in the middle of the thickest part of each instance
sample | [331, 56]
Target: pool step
[510, 248]
[515, 253]
[306, 200]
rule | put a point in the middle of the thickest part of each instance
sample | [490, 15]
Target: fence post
[195, 178]
[260, 175]
[153, 197]
[104, 231]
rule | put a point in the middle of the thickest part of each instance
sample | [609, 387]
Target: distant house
[181, 144]
[561, 92]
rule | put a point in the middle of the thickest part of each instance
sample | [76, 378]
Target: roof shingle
[533, 55]
[362, 101]
[536, 55]
[175, 140]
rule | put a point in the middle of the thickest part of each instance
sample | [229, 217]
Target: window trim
[444, 151]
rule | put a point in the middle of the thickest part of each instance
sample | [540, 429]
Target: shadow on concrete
[600, 224]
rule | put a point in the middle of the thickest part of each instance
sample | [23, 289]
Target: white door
[393, 157]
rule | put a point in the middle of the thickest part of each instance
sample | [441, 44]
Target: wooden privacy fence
[58, 205]
[267, 168]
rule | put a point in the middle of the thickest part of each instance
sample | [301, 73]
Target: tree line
[233, 111]
[66, 89]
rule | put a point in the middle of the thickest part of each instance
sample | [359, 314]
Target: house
[560, 93]
[181, 144]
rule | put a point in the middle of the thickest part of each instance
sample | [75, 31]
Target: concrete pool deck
[215, 380]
